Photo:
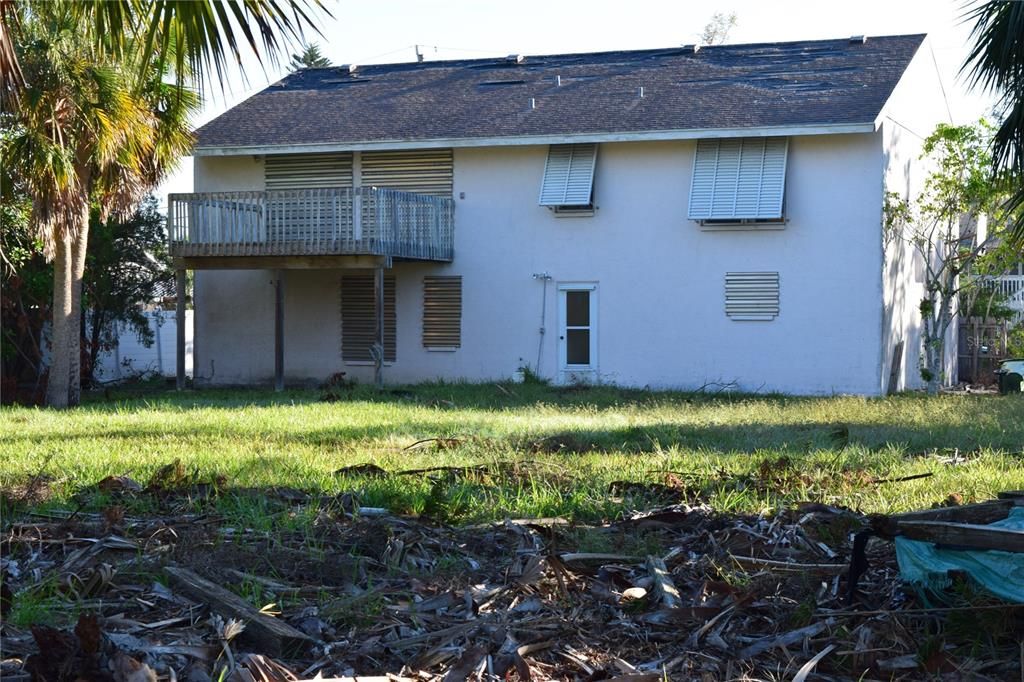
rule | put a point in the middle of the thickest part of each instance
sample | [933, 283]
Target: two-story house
[663, 218]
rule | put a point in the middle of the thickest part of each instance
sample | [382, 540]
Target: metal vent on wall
[752, 295]
[426, 171]
[359, 317]
[442, 312]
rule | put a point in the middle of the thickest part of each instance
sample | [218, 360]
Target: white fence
[130, 357]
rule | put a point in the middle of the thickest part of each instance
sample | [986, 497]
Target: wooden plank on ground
[266, 634]
[982, 512]
[968, 536]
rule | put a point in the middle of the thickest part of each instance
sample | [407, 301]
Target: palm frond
[204, 38]
[996, 64]
[11, 78]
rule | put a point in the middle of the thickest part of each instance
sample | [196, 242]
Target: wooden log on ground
[266, 634]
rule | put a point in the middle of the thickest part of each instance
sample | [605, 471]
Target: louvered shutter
[569, 175]
[739, 179]
[752, 295]
[308, 171]
[425, 171]
[300, 206]
[359, 317]
[442, 312]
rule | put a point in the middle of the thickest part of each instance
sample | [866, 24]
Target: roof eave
[522, 140]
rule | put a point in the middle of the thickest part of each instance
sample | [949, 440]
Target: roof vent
[348, 68]
[515, 59]
[691, 48]
[858, 40]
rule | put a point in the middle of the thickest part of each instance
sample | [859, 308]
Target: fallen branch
[784, 640]
[271, 635]
[663, 590]
[900, 479]
[790, 565]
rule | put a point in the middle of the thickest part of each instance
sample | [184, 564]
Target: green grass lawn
[550, 451]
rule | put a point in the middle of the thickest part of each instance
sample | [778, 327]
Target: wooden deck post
[279, 330]
[179, 319]
[378, 289]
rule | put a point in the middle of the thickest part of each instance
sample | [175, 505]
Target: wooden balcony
[365, 221]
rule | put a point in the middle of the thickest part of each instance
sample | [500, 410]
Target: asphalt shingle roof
[729, 86]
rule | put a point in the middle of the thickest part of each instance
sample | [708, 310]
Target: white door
[577, 335]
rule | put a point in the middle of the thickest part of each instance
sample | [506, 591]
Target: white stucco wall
[916, 106]
[660, 278]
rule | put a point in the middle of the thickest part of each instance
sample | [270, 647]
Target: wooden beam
[980, 513]
[279, 330]
[277, 262]
[264, 633]
[179, 319]
[964, 535]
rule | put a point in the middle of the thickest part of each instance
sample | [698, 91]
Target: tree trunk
[94, 343]
[63, 328]
[78, 249]
[933, 355]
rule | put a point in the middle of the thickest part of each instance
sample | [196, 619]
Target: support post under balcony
[179, 319]
[279, 330]
[378, 290]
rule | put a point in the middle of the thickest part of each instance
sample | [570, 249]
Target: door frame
[577, 373]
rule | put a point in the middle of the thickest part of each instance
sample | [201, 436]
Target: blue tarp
[1001, 573]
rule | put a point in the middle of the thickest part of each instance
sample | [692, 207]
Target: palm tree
[88, 129]
[81, 87]
[996, 64]
[309, 58]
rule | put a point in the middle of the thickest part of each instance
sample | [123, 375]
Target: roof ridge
[648, 50]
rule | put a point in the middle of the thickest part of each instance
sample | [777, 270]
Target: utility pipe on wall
[545, 278]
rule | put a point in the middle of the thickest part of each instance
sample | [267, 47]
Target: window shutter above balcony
[359, 317]
[739, 179]
[569, 175]
[442, 312]
[423, 171]
[752, 295]
[308, 171]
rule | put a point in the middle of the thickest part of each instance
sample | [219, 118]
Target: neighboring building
[663, 218]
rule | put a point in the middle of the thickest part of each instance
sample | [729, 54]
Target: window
[568, 185]
[739, 180]
[752, 295]
[359, 317]
[442, 312]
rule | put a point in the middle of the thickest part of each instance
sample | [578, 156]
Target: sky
[389, 30]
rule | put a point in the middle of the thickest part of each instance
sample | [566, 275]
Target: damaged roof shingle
[720, 87]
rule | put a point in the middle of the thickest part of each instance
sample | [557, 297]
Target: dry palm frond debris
[174, 591]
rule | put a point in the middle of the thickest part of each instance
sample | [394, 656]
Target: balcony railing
[362, 221]
[1011, 287]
